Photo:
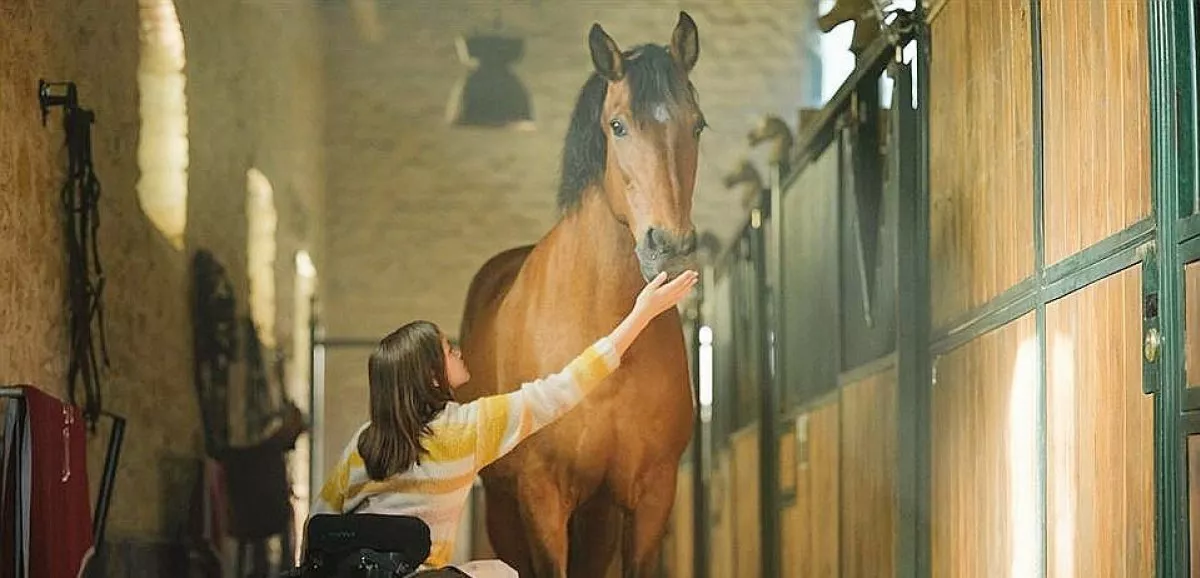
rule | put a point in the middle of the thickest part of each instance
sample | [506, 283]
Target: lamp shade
[490, 95]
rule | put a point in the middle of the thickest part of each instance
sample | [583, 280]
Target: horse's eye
[700, 126]
[618, 128]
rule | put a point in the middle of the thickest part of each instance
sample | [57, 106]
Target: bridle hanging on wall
[80, 197]
[215, 342]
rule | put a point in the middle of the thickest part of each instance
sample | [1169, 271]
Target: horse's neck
[591, 244]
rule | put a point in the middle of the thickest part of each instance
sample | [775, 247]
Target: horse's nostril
[656, 240]
[689, 243]
[660, 242]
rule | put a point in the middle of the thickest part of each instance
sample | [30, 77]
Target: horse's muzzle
[661, 251]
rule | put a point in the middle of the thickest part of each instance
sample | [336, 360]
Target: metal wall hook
[51, 94]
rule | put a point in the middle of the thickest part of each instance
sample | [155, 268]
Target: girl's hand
[658, 295]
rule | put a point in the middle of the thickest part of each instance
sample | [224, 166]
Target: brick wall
[255, 99]
[416, 206]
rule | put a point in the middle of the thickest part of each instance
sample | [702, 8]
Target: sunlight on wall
[299, 460]
[1062, 407]
[260, 253]
[706, 372]
[162, 140]
[1023, 463]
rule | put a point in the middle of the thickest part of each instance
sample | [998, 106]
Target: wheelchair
[366, 546]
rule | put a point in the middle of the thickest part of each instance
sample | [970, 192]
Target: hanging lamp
[490, 95]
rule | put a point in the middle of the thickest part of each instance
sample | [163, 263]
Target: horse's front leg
[647, 523]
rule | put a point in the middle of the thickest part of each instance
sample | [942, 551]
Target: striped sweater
[465, 438]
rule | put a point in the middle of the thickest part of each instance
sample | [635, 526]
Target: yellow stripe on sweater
[493, 422]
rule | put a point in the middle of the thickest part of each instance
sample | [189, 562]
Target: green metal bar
[1039, 264]
[1113, 263]
[1170, 554]
[813, 404]
[1189, 250]
[1134, 235]
[913, 363]
[1057, 280]
[1011, 305]
[1191, 398]
[1018, 295]
[1188, 195]
[1039, 228]
[923, 361]
[1189, 228]
[768, 440]
[873, 367]
[700, 524]
[1186, 100]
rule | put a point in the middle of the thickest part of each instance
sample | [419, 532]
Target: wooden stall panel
[824, 495]
[984, 519]
[747, 529]
[681, 540]
[981, 154]
[1191, 302]
[793, 550]
[1096, 114]
[868, 476]
[1100, 434]
[1193, 453]
[720, 506]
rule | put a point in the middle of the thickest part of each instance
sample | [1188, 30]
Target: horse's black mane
[653, 79]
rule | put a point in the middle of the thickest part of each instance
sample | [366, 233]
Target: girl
[421, 451]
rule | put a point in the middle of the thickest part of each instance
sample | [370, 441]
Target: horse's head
[636, 131]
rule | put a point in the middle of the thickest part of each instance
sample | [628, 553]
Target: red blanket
[48, 470]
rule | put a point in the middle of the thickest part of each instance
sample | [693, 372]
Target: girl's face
[456, 368]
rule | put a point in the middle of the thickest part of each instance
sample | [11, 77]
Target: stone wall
[255, 99]
[417, 206]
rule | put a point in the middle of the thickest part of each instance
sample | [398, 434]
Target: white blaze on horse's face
[652, 125]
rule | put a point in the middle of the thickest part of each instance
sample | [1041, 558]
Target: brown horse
[607, 469]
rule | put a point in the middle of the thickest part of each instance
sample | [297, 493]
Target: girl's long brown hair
[403, 372]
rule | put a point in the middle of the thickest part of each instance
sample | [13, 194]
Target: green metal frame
[1039, 260]
[1153, 241]
[1157, 242]
[1173, 170]
[767, 239]
[913, 362]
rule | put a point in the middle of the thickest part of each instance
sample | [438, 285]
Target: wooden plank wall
[809, 535]
[1096, 114]
[981, 154]
[868, 449]
[985, 458]
[747, 529]
[1100, 434]
[794, 545]
[720, 505]
[816, 515]
[1193, 472]
[679, 543]
[1191, 301]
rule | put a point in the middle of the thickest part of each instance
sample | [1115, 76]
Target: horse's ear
[606, 55]
[685, 42]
